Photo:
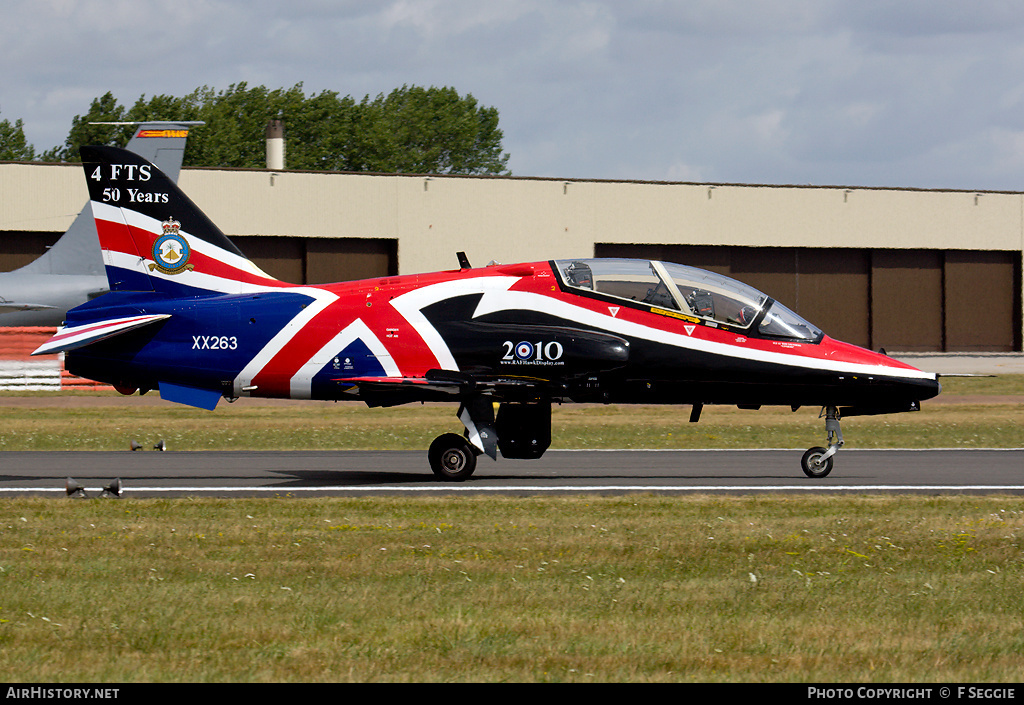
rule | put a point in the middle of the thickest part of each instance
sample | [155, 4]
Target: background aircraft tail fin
[154, 238]
[162, 143]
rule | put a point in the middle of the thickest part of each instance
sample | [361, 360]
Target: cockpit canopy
[694, 292]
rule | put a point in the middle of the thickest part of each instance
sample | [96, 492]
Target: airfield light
[74, 490]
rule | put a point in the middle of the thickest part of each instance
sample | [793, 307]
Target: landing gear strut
[817, 461]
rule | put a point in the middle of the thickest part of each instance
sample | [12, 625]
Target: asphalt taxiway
[365, 473]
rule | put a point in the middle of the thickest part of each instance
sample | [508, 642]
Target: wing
[436, 385]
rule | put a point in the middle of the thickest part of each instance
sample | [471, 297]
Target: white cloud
[865, 92]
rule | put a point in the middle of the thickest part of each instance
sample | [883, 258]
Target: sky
[899, 93]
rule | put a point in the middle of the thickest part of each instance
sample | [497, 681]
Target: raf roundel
[171, 251]
[524, 351]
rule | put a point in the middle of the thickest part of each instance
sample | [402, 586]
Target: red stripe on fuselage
[368, 300]
[274, 380]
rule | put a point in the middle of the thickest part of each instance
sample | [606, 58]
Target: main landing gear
[452, 457]
[817, 461]
[519, 430]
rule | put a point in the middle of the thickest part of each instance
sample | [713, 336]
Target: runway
[368, 473]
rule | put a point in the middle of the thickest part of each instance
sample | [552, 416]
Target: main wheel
[452, 457]
[812, 464]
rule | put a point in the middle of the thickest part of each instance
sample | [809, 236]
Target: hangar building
[909, 270]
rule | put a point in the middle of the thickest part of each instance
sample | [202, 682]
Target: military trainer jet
[189, 315]
[71, 272]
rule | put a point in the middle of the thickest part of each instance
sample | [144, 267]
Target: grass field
[632, 589]
[638, 589]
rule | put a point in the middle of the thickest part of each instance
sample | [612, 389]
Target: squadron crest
[171, 251]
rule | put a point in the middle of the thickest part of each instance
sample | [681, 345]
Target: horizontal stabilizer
[72, 337]
[18, 306]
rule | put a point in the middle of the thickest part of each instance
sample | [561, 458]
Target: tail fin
[154, 238]
[161, 142]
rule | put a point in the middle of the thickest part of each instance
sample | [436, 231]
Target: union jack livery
[189, 315]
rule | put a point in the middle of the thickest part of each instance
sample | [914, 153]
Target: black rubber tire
[452, 458]
[809, 463]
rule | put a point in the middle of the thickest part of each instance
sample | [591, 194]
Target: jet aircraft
[189, 315]
[71, 272]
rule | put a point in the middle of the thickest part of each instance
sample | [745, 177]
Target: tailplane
[154, 238]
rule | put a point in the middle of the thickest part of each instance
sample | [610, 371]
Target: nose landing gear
[817, 461]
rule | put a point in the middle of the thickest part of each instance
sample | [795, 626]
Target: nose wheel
[817, 461]
[815, 464]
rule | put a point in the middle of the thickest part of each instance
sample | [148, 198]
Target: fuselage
[501, 323]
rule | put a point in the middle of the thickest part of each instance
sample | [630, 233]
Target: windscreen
[780, 322]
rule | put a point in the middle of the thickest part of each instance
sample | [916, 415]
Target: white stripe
[154, 226]
[813, 486]
[779, 450]
[195, 279]
[321, 300]
[201, 280]
[301, 383]
[502, 300]
[411, 305]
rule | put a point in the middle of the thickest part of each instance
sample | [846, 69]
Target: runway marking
[776, 450]
[556, 488]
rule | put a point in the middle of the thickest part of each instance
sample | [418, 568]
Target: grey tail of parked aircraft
[71, 272]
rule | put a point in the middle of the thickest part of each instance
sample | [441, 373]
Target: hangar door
[20, 248]
[900, 300]
[321, 260]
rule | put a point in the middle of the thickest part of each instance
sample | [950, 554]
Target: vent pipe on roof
[275, 145]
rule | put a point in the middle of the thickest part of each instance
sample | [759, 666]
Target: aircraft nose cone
[927, 388]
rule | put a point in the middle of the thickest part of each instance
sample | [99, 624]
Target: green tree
[435, 130]
[13, 146]
[83, 130]
[413, 129]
